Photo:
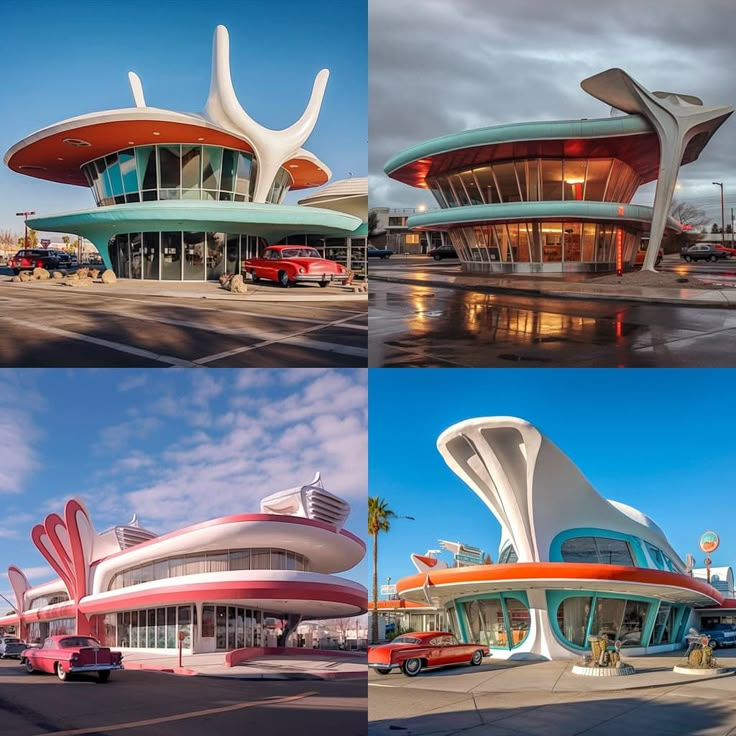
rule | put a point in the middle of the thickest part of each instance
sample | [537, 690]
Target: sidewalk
[201, 290]
[557, 287]
[258, 668]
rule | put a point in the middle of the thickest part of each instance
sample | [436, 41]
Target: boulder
[25, 276]
[108, 277]
[57, 275]
[225, 280]
[237, 285]
[41, 274]
[82, 272]
[94, 272]
[84, 282]
[16, 279]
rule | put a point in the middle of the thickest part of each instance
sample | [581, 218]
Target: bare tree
[688, 214]
[8, 238]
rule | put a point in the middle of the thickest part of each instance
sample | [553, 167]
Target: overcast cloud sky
[438, 67]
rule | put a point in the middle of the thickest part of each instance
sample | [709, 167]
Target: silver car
[11, 646]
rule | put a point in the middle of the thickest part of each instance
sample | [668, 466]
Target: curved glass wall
[178, 171]
[501, 621]
[508, 555]
[180, 256]
[265, 558]
[536, 180]
[543, 242]
[600, 550]
[636, 622]
[48, 600]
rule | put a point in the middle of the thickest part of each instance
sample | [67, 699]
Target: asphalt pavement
[434, 326]
[59, 327]
[154, 704]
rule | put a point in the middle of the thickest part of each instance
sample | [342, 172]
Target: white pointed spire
[137, 89]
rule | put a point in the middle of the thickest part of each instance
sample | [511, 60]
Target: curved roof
[269, 221]
[629, 138]
[57, 152]
[545, 210]
[340, 189]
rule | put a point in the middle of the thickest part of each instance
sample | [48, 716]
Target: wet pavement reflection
[414, 326]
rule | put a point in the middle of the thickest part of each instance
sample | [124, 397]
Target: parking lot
[154, 704]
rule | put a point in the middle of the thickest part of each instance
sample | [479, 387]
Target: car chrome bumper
[320, 277]
[94, 668]
[378, 665]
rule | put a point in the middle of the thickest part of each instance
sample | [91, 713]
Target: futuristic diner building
[241, 581]
[571, 563]
[556, 196]
[183, 196]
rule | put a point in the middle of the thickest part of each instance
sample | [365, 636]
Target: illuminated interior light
[76, 142]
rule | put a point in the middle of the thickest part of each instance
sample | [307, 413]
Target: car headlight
[301, 270]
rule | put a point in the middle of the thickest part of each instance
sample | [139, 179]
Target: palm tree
[379, 520]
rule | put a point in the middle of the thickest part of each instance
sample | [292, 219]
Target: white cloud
[135, 381]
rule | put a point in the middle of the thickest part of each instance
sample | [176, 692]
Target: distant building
[394, 232]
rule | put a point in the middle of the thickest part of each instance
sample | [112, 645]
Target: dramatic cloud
[438, 67]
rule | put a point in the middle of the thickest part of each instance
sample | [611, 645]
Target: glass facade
[536, 180]
[39, 630]
[600, 550]
[557, 243]
[180, 256]
[178, 171]
[500, 622]
[636, 622]
[48, 600]
[264, 558]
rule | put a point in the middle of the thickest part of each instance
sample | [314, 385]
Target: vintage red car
[292, 264]
[70, 654]
[411, 653]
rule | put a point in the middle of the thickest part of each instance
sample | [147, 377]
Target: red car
[290, 264]
[70, 655]
[411, 653]
[28, 259]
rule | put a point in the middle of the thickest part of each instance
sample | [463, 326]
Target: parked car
[64, 259]
[639, 257]
[30, 258]
[412, 653]
[721, 635]
[382, 253]
[290, 264]
[703, 252]
[11, 646]
[65, 655]
[443, 251]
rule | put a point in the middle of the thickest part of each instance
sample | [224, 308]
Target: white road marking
[120, 347]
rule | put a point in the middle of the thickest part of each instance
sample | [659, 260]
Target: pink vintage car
[411, 653]
[292, 264]
[70, 654]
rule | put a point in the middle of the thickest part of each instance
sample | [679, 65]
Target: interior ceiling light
[156, 133]
[293, 166]
[200, 139]
[77, 142]
[30, 167]
[131, 143]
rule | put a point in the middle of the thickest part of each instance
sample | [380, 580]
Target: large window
[597, 549]
[48, 600]
[534, 180]
[264, 558]
[178, 171]
[501, 622]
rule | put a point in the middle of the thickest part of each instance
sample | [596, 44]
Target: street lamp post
[25, 215]
[723, 214]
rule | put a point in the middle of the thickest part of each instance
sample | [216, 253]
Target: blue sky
[65, 59]
[175, 446]
[661, 440]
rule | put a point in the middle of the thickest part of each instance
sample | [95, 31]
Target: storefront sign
[709, 542]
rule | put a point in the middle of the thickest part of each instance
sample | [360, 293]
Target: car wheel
[254, 277]
[713, 644]
[477, 658]
[324, 283]
[383, 670]
[713, 258]
[688, 258]
[384, 258]
[437, 258]
[284, 279]
[29, 666]
[412, 667]
[61, 673]
[103, 676]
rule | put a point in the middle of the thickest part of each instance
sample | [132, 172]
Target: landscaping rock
[16, 279]
[41, 274]
[108, 277]
[82, 272]
[225, 280]
[25, 276]
[57, 275]
[84, 282]
[94, 273]
[237, 285]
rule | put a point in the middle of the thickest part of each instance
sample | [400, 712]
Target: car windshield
[11, 641]
[299, 253]
[406, 640]
[78, 641]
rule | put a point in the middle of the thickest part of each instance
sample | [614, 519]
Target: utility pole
[25, 215]
[723, 218]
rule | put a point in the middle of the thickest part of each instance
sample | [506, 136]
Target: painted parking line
[178, 717]
[120, 347]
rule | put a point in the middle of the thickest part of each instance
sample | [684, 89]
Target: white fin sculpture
[137, 89]
[534, 489]
[676, 118]
[272, 147]
[428, 562]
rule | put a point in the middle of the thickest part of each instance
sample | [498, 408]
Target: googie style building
[241, 581]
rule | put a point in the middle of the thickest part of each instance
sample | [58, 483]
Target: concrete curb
[557, 294]
[280, 296]
[307, 675]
